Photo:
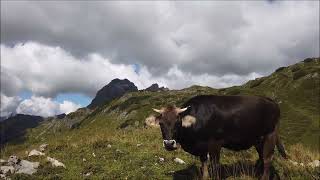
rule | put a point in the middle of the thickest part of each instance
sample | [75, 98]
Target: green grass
[121, 124]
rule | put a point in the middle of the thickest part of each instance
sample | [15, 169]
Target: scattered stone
[26, 167]
[179, 161]
[55, 162]
[293, 162]
[143, 167]
[84, 160]
[35, 153]
[140, 144]
[119, 151]
[6, 169]
[301, 164]
[315, 75]
[43, 147]
[314, 164]
[161, 160]
[88, 174]
[93, 154]
[109, 146]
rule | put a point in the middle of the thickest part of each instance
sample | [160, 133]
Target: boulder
[26, 167]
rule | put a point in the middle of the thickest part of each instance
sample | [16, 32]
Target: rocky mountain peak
[155, 87]
[116, 88]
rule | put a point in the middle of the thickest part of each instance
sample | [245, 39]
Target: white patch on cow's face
[188, 120]
[151, 121]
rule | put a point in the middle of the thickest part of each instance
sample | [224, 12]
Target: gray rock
[6, 169]
[26, 167]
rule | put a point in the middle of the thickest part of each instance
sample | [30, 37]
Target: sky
[55, 56]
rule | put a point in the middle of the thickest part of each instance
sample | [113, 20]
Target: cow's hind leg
[268, 150]
[259, 162]
[204, 167]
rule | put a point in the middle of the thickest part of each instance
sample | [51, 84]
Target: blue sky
[77, 98]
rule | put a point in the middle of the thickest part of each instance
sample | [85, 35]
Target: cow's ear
[152, 121]
[188, 121]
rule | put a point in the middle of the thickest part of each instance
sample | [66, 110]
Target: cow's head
[169, 122]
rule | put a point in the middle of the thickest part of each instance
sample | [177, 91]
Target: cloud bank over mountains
[49, 48]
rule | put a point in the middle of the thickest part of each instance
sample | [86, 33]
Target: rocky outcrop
[155, 88]
[116, 88]
[16, 165]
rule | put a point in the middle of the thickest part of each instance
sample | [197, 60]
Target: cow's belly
[196, 148]
[240, 144]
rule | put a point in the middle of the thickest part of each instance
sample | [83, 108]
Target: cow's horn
[182, 110]
[157, 110]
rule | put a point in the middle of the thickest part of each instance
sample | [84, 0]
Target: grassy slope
[120, 123]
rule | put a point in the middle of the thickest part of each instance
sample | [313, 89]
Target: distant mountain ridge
[15, 126]
[116, 88]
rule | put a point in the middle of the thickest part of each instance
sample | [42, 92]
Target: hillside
[115, 144]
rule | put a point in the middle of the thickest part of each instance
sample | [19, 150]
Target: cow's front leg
[204, 167]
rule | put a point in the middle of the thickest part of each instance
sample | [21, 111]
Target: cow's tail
[280, 147]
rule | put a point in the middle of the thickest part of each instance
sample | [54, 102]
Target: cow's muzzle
[170, 145]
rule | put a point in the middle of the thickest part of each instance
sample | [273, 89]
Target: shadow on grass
[224, 171]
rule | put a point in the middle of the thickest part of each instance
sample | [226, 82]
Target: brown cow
[207, 123]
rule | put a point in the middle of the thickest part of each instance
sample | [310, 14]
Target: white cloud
[68, 107]
[47, 71]
[45, 107]
[214, 37]
[8, 105]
